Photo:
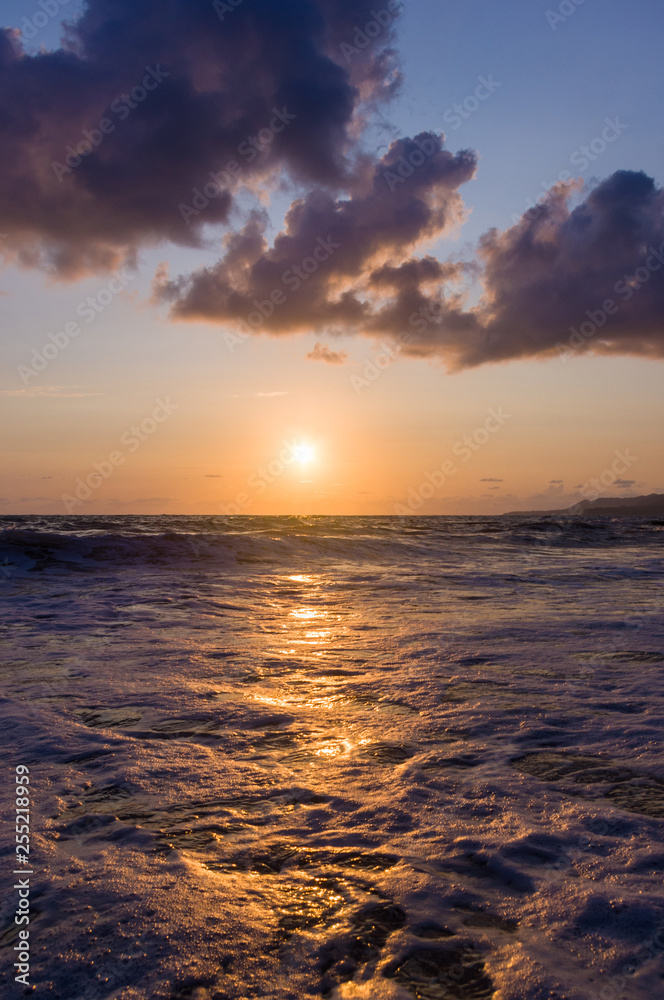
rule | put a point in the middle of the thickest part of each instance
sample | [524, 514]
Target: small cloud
[490, 480]
[256, 395]
[494, 487]
[47, 477]
[123, 503]
[212, 476]
[323, 353]
[54, 391]
[556, 482]
[624, 484]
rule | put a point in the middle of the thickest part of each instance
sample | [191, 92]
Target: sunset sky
[158, 342]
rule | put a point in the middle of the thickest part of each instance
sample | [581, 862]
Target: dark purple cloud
[589, 278]
[563, 280]
[340, 264]
[181, 90]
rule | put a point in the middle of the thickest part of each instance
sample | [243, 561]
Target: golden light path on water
[306, 757]
[308, 632]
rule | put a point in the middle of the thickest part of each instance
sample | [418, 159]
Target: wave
[29, 544]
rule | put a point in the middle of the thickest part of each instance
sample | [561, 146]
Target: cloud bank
[563, 279]
[144, 129]
[182, 90]
[588, 279]
[340, 264]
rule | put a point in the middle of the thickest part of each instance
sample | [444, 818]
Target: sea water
[349, 757]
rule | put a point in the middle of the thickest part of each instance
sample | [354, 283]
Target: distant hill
[650, 506]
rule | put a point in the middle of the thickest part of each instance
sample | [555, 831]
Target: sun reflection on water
[306, 614]
[330, 750]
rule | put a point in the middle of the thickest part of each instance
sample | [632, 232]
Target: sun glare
[304, 453]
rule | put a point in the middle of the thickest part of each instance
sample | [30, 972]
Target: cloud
[556, 482]
[323, 353]
[212, 476]
[625, 484]
[119, 502]
[592, 269]
[556, 269]
[199, 89]
[53, 391]
[491, 480]
[256, 395]
[275, 90]
[341, 264]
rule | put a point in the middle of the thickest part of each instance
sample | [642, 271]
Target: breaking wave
[37, 543]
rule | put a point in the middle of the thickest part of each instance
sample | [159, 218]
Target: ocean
[376, 758]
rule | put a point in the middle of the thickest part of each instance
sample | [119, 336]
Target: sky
[426, 277]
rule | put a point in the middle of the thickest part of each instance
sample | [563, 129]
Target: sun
[304, 454]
